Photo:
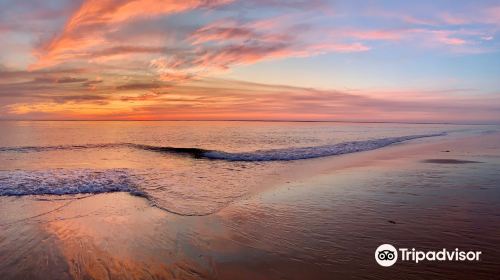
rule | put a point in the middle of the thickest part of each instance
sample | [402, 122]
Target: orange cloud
[223, 99]
[385, 35]
[85, 27]
[221, 30]
[225, 43]
[211, 48]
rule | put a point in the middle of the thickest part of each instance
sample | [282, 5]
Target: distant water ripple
[195, 191]
[285, 154]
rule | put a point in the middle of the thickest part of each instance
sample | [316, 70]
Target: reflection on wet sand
[449, 161]
[321, 227]
[103, 237]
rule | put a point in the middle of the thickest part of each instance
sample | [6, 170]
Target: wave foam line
[313, 152]
[285, 154]
[66, 182]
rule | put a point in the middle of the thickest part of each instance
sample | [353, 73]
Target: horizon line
[236, 120]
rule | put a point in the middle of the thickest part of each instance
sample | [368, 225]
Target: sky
[316, 60]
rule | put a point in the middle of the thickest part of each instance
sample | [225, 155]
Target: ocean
[184, 167]
[245, 200]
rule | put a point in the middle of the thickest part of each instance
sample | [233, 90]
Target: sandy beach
[317, 219]
[249, 139]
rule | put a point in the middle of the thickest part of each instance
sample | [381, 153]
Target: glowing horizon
[295, 60]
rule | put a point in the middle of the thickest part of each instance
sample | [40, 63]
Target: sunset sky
[410, 61]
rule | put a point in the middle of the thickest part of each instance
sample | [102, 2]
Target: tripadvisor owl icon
[386, 255]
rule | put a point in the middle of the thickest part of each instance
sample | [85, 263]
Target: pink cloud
[430, 38]
[384, 35]
[221, 31]
[84, 30]
[452, 41]
[220, 45]
[223, 99]
[333, 47]
[102, 36]
[485, 15]
[216, 46]
[454, 19]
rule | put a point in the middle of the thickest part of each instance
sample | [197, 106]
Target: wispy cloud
[153, 59]
[86, 27]
[220, 45]
[89, 37]
[226, 99]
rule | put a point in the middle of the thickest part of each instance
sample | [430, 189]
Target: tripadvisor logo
[387, 255]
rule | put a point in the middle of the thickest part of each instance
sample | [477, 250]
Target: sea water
[187, 168]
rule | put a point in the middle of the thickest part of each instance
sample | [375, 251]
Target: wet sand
[449, 161]
[318, 219]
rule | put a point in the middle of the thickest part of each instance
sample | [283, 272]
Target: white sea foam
[199, 195]
[259, 155]
[65, 181]
[312, 152]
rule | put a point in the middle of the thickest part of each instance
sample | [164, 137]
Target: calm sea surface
[189, 168]
[215, 216]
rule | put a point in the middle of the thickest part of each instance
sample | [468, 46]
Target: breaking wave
[64, 181]
[201, 194]
[285, 154]
[312, 152]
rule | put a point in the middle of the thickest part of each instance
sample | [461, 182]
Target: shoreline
[243, 120]
[440, 145]
[313, 219]
[304, 169]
